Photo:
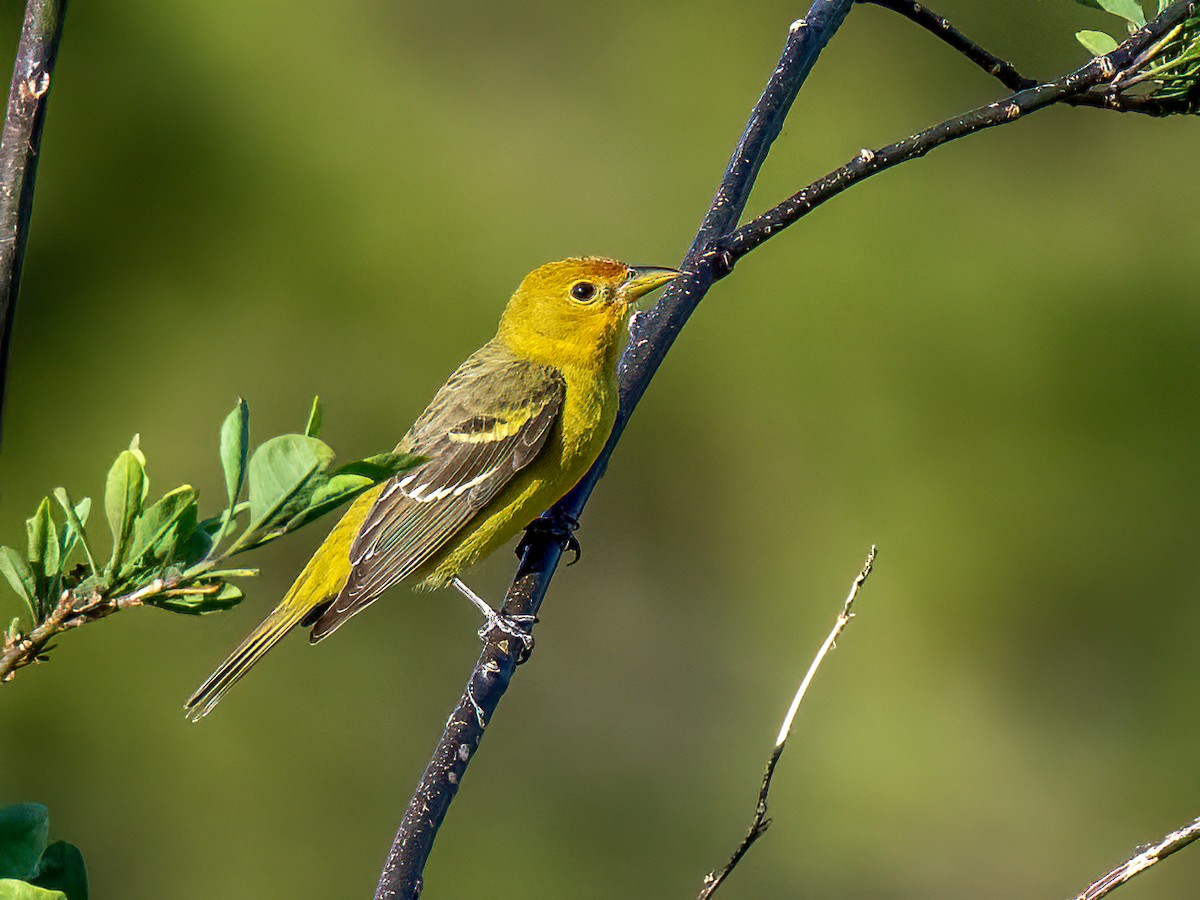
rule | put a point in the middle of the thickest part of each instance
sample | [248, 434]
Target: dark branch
[1140, 862]
[652, 335]
[1003, 112]
[1007, 74]
[941, 28]
[19, 147]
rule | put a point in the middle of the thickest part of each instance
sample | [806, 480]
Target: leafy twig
[19, 147]
[163, 555]
[1135, 865]
[760, 823]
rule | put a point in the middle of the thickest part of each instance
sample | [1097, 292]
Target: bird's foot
[560, 527]
[513, 626]
[516, 627]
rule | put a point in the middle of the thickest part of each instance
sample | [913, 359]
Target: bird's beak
[643, 279]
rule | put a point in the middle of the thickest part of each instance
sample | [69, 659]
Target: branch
[1103, 69]
[760, 824]
[1172, 843]
[1007, 74]
[72, 610]
[652, 334]
[941, 28]
[20, 144]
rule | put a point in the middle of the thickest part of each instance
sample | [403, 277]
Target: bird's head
[574, 311]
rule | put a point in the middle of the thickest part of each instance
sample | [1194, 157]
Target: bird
[511, 431]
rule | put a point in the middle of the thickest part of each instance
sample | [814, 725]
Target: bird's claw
[514, 626]
[559, 527]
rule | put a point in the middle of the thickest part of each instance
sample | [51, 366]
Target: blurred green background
[985, 362]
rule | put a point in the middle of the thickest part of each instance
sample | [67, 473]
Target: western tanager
[512, 431]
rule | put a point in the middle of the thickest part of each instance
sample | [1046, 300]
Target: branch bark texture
[20, 144]
[652, 335]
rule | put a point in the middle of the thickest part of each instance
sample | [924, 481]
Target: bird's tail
[250, 651]
[324, 575]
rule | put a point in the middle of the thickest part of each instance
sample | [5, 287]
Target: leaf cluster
[32, 868]
[163, 553]
[1170, 69]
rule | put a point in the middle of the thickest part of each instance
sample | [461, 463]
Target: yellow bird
[514, 428]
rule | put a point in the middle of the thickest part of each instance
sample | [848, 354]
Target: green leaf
[284, 473]
[76, 516]
[70, 537]
[43, 551]
[227, 596]
[329, 496]
[235, 443]
[382, 466]
[1096, 43]
[11, 889]
[123, 497]
[62, 869]
[24, 828]
[1129, 10]
[349, 481]
[20, 578]
[161, 528]
[313, 428]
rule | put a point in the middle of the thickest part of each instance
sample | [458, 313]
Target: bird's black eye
[583, 291]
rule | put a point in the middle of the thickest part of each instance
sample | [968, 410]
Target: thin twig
[72, 610]
[20, 144]
[1135, 865]
[940, 27]
[1002, 112]
[652, 335]
[760, 823]
[1115, 100]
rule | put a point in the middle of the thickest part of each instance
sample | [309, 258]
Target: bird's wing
[487, 423]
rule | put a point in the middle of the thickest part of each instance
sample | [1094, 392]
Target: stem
[20, 144]
[941, 28]
[652, 335]
[1139, 863]
[760, 823]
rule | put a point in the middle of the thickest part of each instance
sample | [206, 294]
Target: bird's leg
[510, 625]
[559, 526]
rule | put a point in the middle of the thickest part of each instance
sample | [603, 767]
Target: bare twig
[760, 823]
[19, 147]
[652, 336]
[940, 27]
[1135, 865]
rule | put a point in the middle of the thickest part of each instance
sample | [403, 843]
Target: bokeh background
[985, 362]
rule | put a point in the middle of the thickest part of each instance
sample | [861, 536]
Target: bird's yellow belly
[577, 440]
